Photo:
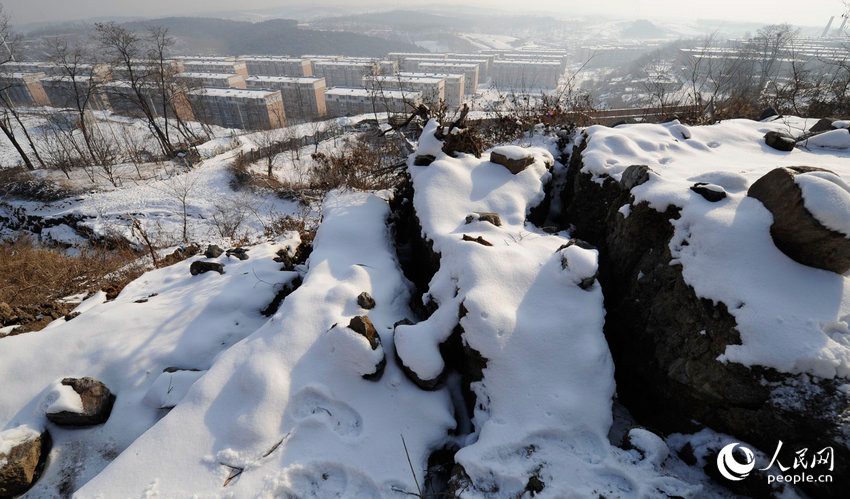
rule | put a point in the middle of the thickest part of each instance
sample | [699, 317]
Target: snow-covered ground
[279, 406]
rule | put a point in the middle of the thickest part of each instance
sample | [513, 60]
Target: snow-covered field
[279, 406]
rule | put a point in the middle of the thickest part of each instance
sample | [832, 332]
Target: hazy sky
[809, 12]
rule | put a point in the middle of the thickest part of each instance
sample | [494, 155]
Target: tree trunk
[4, 124]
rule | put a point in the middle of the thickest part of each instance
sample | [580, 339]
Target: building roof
[362, 92]
[240, 93]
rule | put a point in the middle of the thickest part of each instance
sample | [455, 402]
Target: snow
[63, 398]
[786, 312]
[287, 404]
[834, 139]
[125, 344]
[544, 405]
[841, 124]
[827, 198]
[582, 262]
[511, 152]
[15, 436]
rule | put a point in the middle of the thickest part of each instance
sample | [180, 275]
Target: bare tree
[126, 49]
[10, 40]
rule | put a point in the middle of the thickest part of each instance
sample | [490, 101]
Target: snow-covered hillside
[594, 321]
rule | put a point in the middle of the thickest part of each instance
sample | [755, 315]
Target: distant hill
[643, 29]
[207, 36]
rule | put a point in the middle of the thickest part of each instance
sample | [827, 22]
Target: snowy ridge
[791, 317]
[126, 345]
[543, 407]
[288, 406]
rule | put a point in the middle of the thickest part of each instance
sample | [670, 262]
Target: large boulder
[665, 340]
[795, 230]
[96, 400]
[23, 453]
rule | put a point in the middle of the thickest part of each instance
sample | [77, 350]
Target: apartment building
[213, 80]
[120, 97]
[247, 109]
[215, 66]
[277, 66]
[453, 86]
[469, 71]
[303, 98]
[353, 101]
[344, 73]
[431, 88]
[522, 74]
[60, 91]
[24, 89]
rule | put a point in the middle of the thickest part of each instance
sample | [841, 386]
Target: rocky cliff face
[666, 341]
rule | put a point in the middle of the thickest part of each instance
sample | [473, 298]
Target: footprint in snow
[309, 403]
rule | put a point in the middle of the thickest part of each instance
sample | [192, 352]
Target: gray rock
[485, 216]
[712, 193]
[515, 165]
[213, 251]
[240, 253]
[780, 141]
[587, 282]
[823, 125]
[795, 231]
[23, 464]
[201, 267]
[366, 301]
[97, 404]
[423, 160]
[767, 113]
[634, 176]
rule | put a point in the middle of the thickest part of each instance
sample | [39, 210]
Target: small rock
[823, 125]
[366, 301]
[97, 403]
[485, 216]
[240, 253]
[22, 464]
[480, 240]
[767, 113]
[514, 158]
[201, 267]
[72, 315]
[213, 251]
[780, 141]
[795, 231]
[362, 325]
[710, 192]
[423, 160]
[634, 176]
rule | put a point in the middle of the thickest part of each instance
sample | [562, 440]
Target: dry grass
[33, 277]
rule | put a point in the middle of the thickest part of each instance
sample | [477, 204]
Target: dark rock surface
[665, 340]
[97, 404]
[213, 251]
[366, 301]
[23, 465]
[201, 267]
[515, 165]
[795, 231]
[780, 141]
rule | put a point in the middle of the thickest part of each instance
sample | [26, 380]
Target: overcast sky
[809, 12]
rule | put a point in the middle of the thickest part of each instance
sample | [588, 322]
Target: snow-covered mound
[286, 411]
[166, 318]
[791, 317]
[543, 405]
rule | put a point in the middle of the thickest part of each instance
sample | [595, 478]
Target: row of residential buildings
[265, 91]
